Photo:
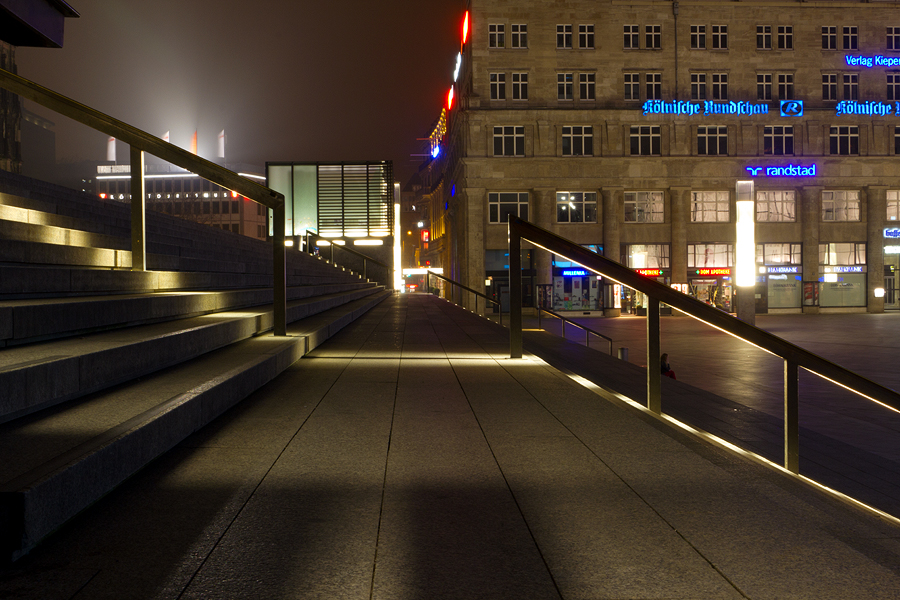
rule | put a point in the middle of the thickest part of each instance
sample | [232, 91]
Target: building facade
[625, 127]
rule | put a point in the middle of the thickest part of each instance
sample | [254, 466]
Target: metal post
[279, 273]
[138, 212]
[654, 397]
[791, 417]
[515, 295]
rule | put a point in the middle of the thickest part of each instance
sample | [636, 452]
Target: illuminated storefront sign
[713, 272]
[872, 61]
[575, 273]
[892, 249]
[772, 270]
[879, 109]
[788, 171]
[892, 232]
[851, 269]
[650, 272]
[707, 107]
[792, 108]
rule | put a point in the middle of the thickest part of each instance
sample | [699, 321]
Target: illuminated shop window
[564, 37]
[698, 86]
[520, 86]
[578, 140]
[829, 38]
[763, 37]
[653, 37]
[829, 86]
[509, 141]
[893, 38]
[587, 86]
[844, 140]
[710, 207]
[779, 254]
[850, 37]
[840, 205]
[519, 35]
[701, 256]
[498, 86]
[775, 206]
[496, 35]
[698, 37]
[503, 204]
[719, 37]
[644, 207]
[893, 205]
[645, 140]
[647, 256]
[576, 207]
[778, 140]
[720, 86]
[631, 37]
[565, 86]
[653, 86]
[633, 86]
[586, 36]
[850, 253]
[712, 141]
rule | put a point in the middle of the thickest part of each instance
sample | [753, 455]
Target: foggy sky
[288, 80]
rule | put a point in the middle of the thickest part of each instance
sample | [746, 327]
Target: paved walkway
[409, 458]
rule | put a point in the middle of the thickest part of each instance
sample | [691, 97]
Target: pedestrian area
[409, 458]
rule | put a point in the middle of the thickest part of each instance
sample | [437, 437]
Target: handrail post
[791, 417]
[138, 212]
[654, 396]
[515, 294]
[279, 272]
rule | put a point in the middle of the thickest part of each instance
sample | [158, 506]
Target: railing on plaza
[794, 357]
[587, 330]
[141, 142]
[456, 285]
[312, 240]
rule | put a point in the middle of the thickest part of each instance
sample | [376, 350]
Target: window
[829, 86]
[709, 256]
[647, 256]
[778, 140]
[631, 37]
[585, 36]
[519, 35]
[893, 38]
[709, 207]
[776, 206]
[520, 86]
[851, 38]
[893, 205]
[829, 38]
[565, 86]
[509, 141]
[503, 204]
[698, 86]
[563, 36]
[893, 86]
[841, 205]
[851, 86]
[498, 86]
[844, 140]
[576, 207]
[644, 207]
[587, 86]
[719, 37]
[785, 37]
[763, 37]
[720, 86]
[778, 254]
[896, 139]
[632, 86]
[653, 37]
[654, 85]
[698, 37]
[763, 86]
[712, 141]
[785, 86]
[496, 36]
[645, 140]
[578, 140]
[850, 253]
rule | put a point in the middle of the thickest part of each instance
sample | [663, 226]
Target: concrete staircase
[103, 369]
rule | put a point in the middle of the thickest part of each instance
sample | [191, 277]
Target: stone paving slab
[401, 461]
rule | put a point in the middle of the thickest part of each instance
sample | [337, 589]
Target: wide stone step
[36, 376]
[56, 463]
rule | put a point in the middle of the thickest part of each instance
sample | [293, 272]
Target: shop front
[712, 285]
[891, 269]
[842, 280]
[782, 286]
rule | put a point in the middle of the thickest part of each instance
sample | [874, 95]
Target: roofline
[64, 7]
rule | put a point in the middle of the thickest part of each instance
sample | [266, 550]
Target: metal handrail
[141, 142]
[794, 357]
[466, 288]
[587, 330]
[366, 259]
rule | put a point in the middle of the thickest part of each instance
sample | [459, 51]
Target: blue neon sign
[872, 61]
[788, 171]
[892, 233]
[792, 108]
[880, 109]
[574, 273]
[706, 107]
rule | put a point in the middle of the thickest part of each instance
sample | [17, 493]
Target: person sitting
[664, 367]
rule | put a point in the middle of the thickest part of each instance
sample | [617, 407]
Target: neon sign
[708, 107]
[791, 108]
[782, 269]
[714, 271]
[788, 171]
[854, 269]
[892, 233]
[650, 272]
[575, 273]
[880, 109]
[872, 61]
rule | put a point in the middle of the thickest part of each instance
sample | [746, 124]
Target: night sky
[287, 80]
